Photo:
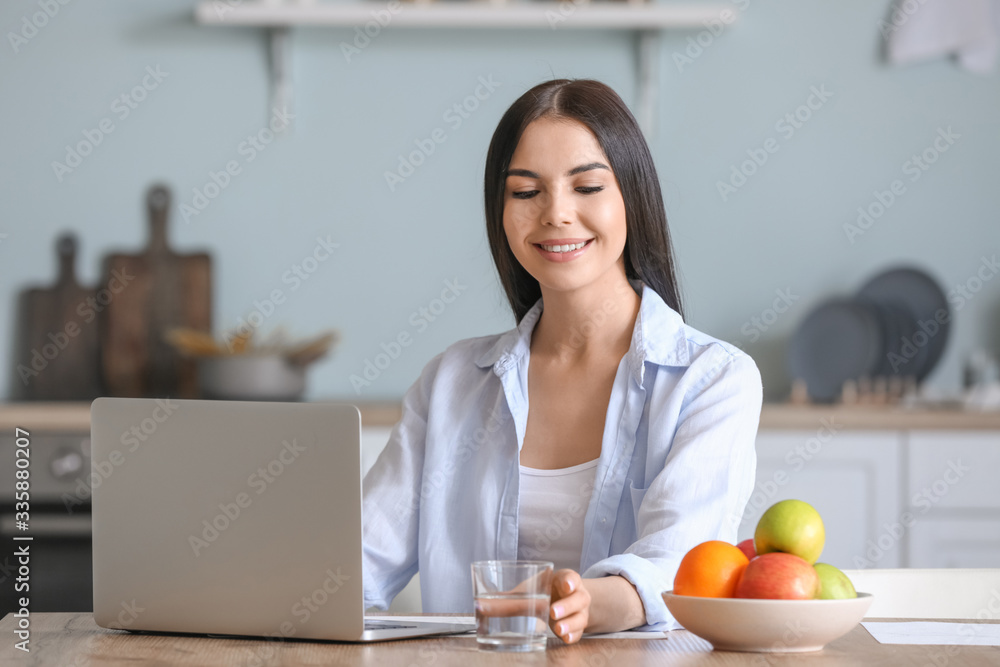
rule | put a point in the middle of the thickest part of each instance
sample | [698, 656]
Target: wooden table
[74, 640]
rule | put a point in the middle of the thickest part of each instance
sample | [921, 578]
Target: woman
[639, 440]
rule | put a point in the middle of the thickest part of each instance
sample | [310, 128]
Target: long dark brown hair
[648, 253]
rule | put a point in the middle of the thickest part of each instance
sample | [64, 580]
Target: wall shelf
[648, 21]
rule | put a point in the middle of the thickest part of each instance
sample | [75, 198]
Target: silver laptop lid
[227, 517]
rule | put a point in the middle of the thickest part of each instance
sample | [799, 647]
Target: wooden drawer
[955, 542]
[953, 470]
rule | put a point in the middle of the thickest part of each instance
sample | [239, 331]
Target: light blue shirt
[676, 468]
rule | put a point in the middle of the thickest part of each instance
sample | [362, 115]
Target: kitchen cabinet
[955, 542]
[903, 495]
[852, 478]
[952, 471]
[954, 498]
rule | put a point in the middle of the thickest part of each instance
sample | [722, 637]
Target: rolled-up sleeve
[703, 488]
[391, 499]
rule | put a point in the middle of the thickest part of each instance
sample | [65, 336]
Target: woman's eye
[528, 194]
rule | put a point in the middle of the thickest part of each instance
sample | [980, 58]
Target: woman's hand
[570, 610]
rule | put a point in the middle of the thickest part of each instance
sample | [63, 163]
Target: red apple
[778, 576]
[746, 546]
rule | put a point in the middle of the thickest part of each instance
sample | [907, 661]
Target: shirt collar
[658, 337]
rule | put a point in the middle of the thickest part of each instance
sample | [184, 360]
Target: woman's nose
[556, 209]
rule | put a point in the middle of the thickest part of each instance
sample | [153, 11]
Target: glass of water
[512, 604]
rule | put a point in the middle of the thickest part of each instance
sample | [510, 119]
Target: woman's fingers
[565, 582]
[570, 610]
[570, 627]
[575, 602]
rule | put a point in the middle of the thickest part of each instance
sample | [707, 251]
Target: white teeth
[563, 248]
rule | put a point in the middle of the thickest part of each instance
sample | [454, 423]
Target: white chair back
[963, 594]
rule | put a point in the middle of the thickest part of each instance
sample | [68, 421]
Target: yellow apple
[791, 526]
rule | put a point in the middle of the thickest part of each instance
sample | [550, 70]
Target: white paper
[472, 620]
[935, 632]
[627, 635]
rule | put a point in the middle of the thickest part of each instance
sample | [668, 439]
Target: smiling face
[564, 215]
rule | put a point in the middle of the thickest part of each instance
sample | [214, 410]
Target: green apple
[833, 584]
[791, 526]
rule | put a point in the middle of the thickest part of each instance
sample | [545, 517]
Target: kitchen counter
[75, 417]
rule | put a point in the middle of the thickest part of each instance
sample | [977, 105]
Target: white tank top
[552, 505]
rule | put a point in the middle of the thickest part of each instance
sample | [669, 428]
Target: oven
[61, 573]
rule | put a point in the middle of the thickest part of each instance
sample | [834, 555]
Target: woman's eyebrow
[572, 172]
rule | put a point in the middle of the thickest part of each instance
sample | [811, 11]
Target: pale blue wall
[783, 229]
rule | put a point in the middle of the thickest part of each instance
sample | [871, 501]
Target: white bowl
[251, 377]
[772, 626]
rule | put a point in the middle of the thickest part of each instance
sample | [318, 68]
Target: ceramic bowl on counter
[251, 377]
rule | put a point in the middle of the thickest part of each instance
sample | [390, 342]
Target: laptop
[232, 518]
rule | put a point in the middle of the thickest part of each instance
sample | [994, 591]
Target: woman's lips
[567, 256]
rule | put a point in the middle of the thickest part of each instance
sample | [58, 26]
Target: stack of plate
[896, 325]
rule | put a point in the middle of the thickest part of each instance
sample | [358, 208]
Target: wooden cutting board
[57, 336]
[160, 290]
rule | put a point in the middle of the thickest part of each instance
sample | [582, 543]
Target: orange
[710, 570]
